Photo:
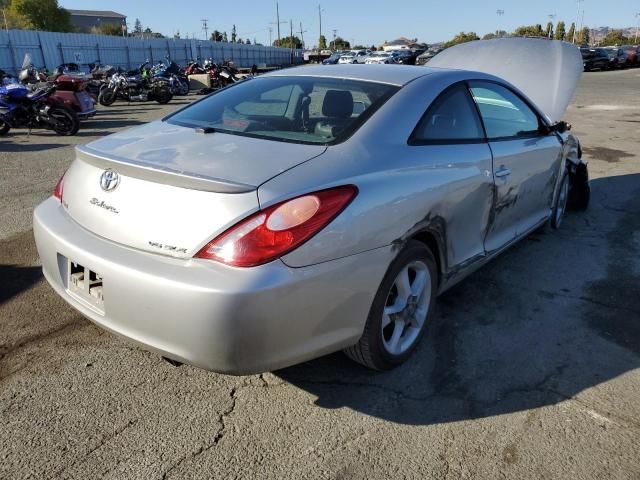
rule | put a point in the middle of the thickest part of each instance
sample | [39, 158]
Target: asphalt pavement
[529, 368]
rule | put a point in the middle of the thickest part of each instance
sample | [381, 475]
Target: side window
[451, 118]
[504, 114]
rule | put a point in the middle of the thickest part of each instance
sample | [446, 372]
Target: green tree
[560, 31]
[108, 29]
[224, 37]
[584, 37]
[234, 36]
[549, 32]
[137, 27]
[615, 37]
[340, 43]
[216, 36]
[571, 33]
[41, 15]
[462, 37]
[288, 42]
[322, 42]
[529, 31]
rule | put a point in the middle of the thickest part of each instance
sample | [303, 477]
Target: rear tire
[107, 96]
[163, 95]
[4, 126]
[400, 311]
[66, 122]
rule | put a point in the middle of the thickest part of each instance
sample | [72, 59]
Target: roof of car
[393, 74]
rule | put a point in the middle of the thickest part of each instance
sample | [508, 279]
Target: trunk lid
[168, 189]
[547, 71]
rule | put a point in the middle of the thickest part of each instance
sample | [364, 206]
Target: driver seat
[338, 108]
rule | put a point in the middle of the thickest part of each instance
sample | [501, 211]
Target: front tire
[560, 205]
[107, 96]
[400, 311]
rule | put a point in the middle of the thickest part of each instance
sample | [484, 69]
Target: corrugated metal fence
[51, 49]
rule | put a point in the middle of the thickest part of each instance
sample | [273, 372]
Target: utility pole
[500, 13]
[334, 38]
[552, 17]
[270, 32]
[302, 32]
[205, 28]
[637, 27]
[291, 39]
[277, 22]
[320, 18]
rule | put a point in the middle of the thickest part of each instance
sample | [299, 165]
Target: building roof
[96, 13]
[401, 41]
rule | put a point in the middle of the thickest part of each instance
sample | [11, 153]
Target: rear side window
[504, 114]
[452, 118]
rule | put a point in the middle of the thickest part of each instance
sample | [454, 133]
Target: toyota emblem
[109, 180]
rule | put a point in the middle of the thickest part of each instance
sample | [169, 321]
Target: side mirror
[559, 127]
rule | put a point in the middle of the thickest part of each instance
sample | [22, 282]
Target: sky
[368, 22]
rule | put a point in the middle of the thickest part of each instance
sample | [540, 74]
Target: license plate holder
[86, 285]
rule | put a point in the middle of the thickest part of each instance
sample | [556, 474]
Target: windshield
[291, 109]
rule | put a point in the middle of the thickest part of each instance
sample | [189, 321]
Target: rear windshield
[311, 110]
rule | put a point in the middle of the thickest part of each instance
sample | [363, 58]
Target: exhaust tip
[172, 362]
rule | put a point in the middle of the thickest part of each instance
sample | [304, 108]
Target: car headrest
[337, 103]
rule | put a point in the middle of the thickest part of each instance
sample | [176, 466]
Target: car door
[525, 162]
[449, 145]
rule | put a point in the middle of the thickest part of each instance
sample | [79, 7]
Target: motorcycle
[178, 82]
[100, 75]
[135, 88]
[21, 109]
[70, 89]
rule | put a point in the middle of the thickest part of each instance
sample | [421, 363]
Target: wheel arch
[434, 240]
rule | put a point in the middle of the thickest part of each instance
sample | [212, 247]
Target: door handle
[503, 172]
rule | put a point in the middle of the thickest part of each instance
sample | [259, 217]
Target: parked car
[379, 57]
[332, 60]
[408, 57]
[618, 58]
[424, 57]
[375, 189]
[347, 59]
[633, 55]
[359, 56]
[594, 59]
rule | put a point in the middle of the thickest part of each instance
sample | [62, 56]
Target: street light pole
[552, 17]
[637, 27]
[500, 13]
[573, 40]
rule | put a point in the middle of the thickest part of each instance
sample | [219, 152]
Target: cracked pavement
[529, 368]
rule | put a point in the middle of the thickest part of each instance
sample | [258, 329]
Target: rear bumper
[225, 319]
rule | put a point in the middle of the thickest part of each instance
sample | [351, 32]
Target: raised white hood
[547, 71]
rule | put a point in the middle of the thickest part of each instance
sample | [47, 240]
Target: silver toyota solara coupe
[315, 209]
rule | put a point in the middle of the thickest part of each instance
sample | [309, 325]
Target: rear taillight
[57, 192]
[275, 231]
